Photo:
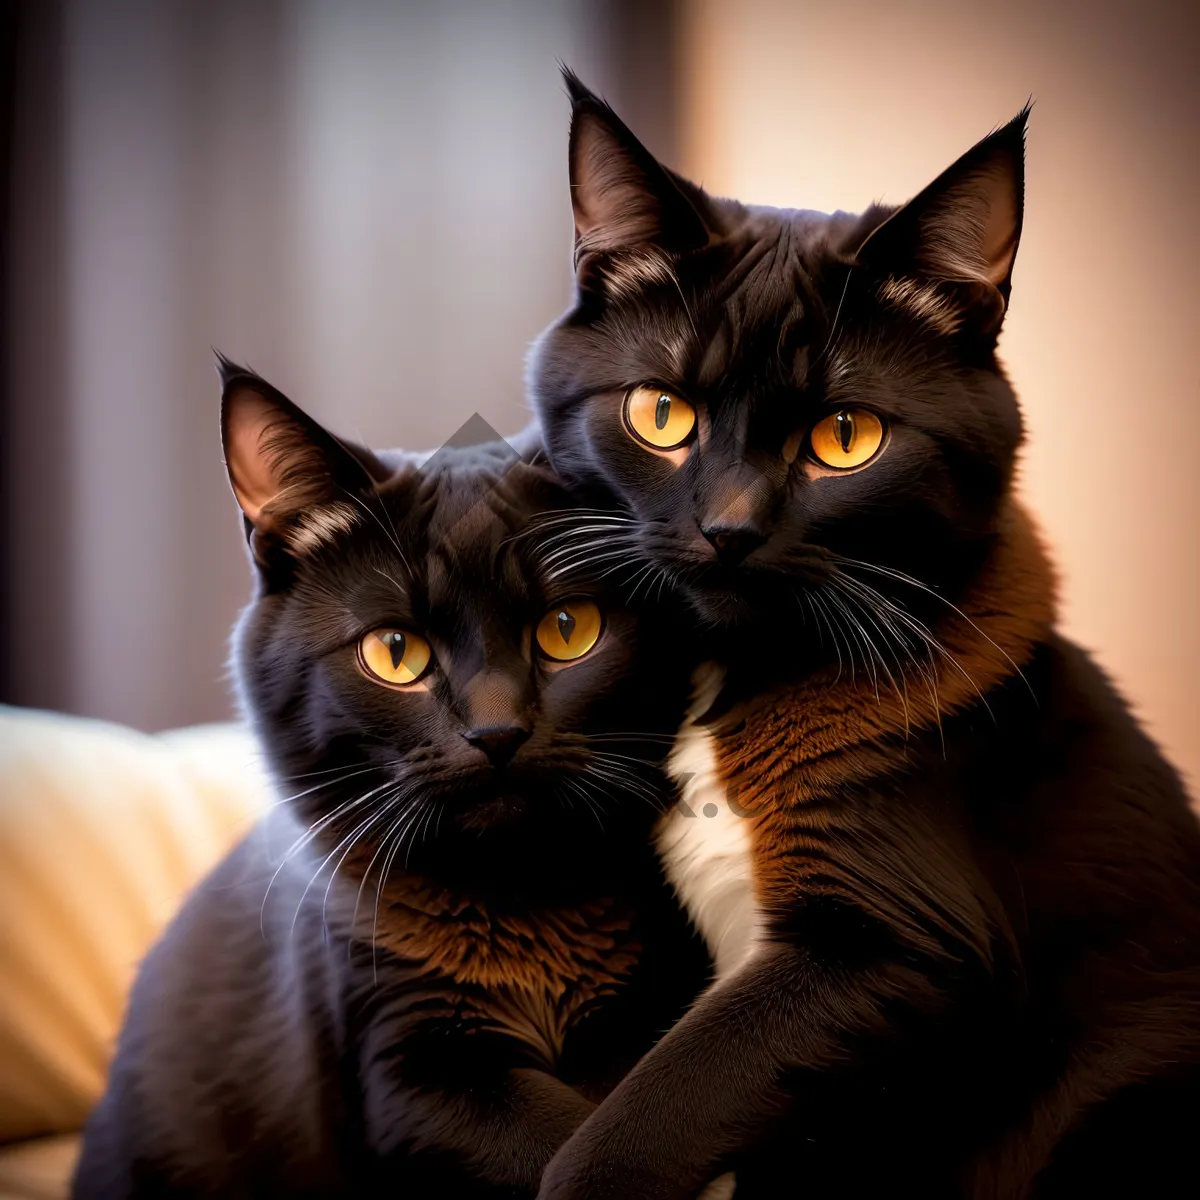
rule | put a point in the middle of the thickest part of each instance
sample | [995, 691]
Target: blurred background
[367, 201]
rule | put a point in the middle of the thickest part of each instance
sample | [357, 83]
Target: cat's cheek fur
[705, 844]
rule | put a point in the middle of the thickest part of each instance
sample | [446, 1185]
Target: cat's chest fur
[529, 972]
[705, 846]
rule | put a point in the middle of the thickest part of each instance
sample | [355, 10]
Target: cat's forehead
[461, 514]
[774, 255]
[464, 541]
[769, 305]
[472, 494]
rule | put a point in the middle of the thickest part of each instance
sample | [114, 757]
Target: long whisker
[922, 631]
[617, 735]
[620, 777]
[393, 581]
[586, 526]
[838, 620]
[569, 547]
[901, 577]
[588, 558]
[665, 582]
[903, 624]
[313, 831]
[328, 783]
[539, 524]
[836, 316]
[572, 515]
[819, 610]
[893, 620]
[424, 828]
[391, 536]
[397, 844]
[624, 777]
[360, 831]
[870, 615]
[855, 631]
[578, 785]
[607, 755]
[379, 849]
[627, 778]
[314, 774]
[371, 795]
[644, 575]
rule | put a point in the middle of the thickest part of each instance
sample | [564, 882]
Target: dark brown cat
[952, 890]
[420, 973]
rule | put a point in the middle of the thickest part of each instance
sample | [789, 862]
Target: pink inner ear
[970, 231]
[614, 206]
[250, 468]
[1001, 223]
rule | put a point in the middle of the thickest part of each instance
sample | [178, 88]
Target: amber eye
[658, 418]
[847, 438]
[394, 656]
[569, 630]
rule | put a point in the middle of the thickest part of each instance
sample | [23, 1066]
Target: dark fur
[483, 951]
[981, 880]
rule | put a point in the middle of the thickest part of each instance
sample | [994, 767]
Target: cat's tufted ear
[962, 231]
[297, 485]
[625, 202]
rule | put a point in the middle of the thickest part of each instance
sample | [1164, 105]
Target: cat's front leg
[498, 1129]
[714, 1085]
[673, 1122]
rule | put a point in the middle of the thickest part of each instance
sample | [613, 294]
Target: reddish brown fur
[790, 746]
[530, 972]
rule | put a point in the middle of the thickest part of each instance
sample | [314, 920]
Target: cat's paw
[721, 1188]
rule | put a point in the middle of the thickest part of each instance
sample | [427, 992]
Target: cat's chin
[739, 600]
[502, 806]
[499, 809]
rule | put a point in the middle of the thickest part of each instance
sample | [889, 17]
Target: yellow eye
[847, 438]
[394, 656]
[569, 630]
[658, 418]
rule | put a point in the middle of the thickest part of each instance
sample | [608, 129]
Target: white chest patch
[704, 845]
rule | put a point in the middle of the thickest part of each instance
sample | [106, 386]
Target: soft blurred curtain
[365, 201]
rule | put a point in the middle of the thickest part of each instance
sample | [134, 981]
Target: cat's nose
[498, 742]
[733, 542]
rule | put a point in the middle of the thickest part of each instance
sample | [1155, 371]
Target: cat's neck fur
[771, 753]
[823, 730]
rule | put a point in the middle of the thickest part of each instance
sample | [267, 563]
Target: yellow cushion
[39, 1169]
[102, 832]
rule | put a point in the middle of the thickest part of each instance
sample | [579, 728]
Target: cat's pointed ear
[297, 485]
[964, 228]
[624, 200]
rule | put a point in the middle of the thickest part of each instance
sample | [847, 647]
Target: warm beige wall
[831, 105]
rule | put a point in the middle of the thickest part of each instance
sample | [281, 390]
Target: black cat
[952, 890]
[468, 941]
